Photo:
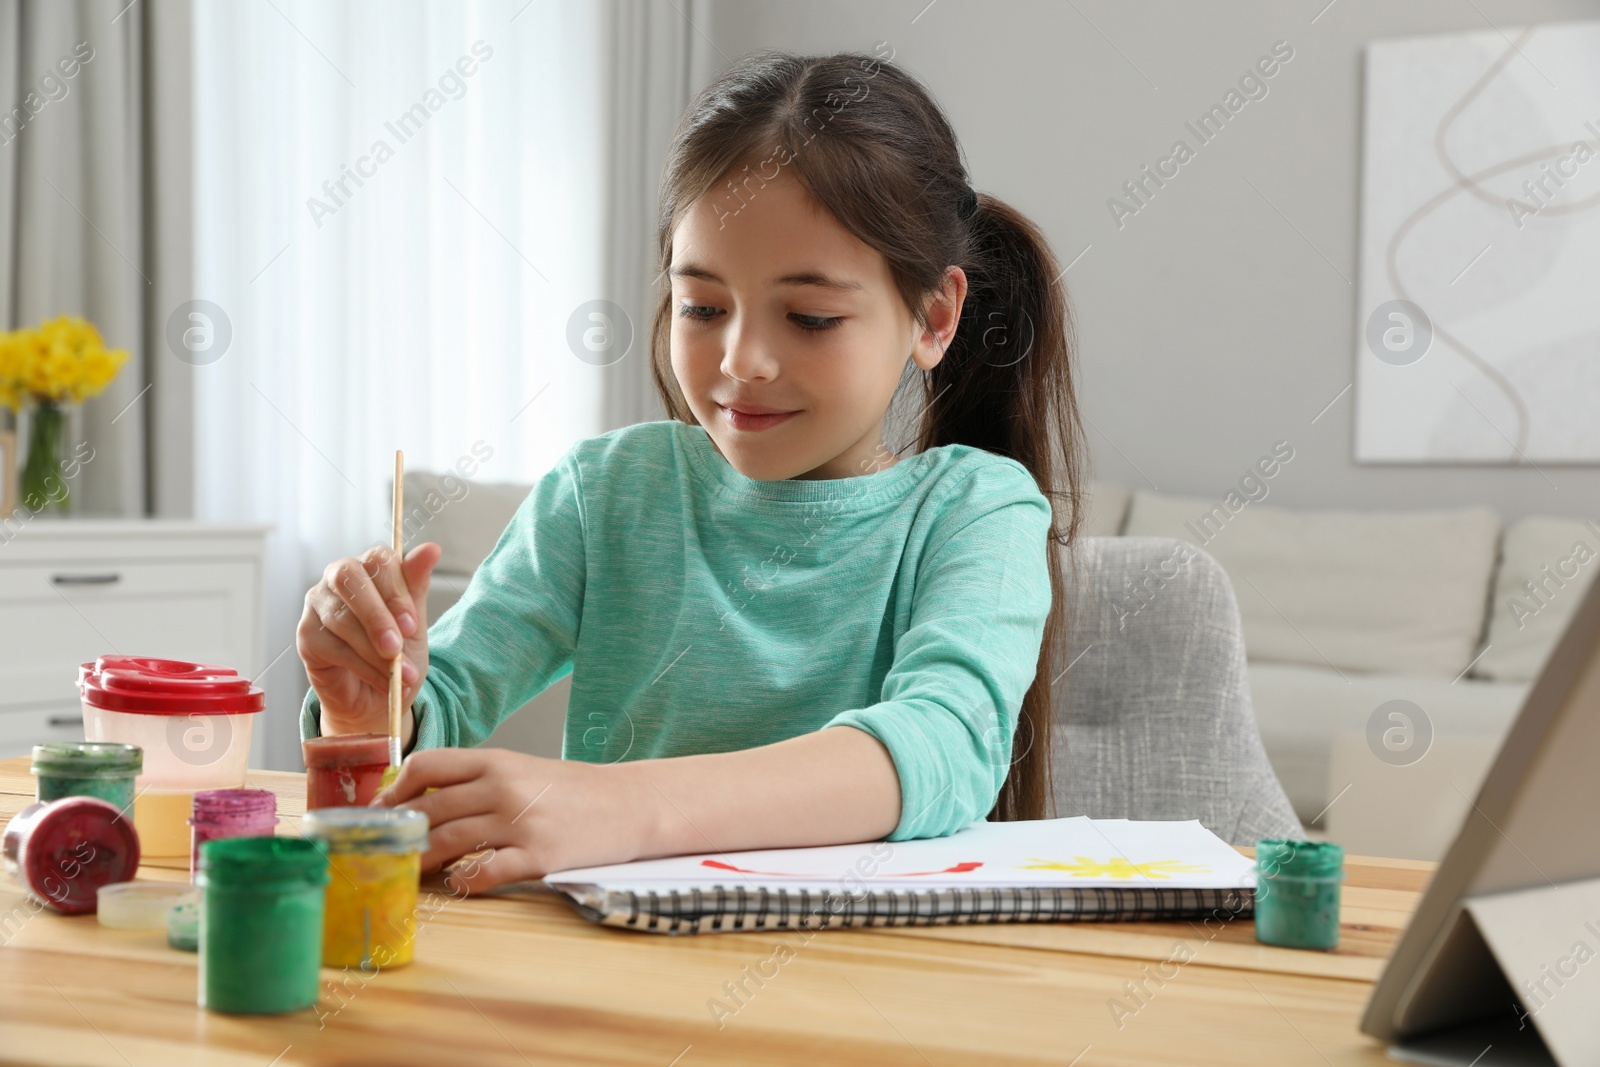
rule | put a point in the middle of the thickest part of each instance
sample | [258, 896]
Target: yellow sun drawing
[1116, 867]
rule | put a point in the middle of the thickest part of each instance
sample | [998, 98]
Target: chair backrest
[1153, 713]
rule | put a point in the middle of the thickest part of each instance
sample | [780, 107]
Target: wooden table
[521, 979]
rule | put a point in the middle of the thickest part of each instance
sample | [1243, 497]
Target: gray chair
[1153, 713]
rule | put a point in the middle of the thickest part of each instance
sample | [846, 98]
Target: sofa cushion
[465, 517]
[1300, 710]
[1104, 510]
[1545, 566]
[1396, 592]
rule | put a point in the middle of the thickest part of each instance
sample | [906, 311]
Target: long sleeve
[950, 701]
[512, 633]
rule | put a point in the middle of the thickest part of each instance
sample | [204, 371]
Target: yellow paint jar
[374, 865]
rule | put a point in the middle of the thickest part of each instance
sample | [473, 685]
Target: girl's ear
[943, 311]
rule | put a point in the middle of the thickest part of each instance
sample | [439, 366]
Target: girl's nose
[747, 356]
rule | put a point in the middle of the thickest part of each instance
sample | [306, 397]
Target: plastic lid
[1298, 859]
[345, 750]
[141, 905]
[82, 759]
[64, 850]
[261, 862]
[144, 685]
[368, 829]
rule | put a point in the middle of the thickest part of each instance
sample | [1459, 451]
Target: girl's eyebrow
[808, 277]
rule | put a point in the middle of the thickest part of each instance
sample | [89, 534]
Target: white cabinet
[74, 589]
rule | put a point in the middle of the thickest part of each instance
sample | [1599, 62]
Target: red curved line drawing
[960, 868]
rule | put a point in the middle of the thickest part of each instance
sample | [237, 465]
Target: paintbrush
[396, 688]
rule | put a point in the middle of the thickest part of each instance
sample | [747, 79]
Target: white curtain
[398, 208]
[656, 55]
[71, 183]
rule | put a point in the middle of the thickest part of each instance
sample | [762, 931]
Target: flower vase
[43, 488]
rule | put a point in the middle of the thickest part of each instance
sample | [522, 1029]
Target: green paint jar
[104, 769]
[1297, 892]
[260, 924]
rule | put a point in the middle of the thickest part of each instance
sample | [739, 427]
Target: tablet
[1500, 963]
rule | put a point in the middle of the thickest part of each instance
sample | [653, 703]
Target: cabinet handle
[65, 720]
[86, 579]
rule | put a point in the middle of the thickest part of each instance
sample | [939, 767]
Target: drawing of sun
[1116, 867]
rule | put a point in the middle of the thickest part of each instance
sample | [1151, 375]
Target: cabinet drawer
[56, 616]
[22, 728]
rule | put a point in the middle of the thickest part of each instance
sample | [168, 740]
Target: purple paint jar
[230, 813]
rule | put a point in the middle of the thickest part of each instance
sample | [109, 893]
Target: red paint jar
[65, 850]
[230, 813]
[343, 771]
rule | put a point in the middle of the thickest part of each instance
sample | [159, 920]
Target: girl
[780, 632]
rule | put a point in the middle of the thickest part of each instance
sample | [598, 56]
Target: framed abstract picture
[1478, 331]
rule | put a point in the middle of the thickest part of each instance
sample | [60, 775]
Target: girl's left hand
[537, 815]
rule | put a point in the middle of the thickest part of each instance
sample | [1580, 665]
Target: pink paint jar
[345, 770]
[230, 813]
[65, 850]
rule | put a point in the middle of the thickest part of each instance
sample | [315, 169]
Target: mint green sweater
[699, 610]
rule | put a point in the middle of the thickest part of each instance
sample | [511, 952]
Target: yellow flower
[58, 335]
[98, 367]
[88, 336]
[58, 359]
[63, 368]
[36, 373]
[12, 356]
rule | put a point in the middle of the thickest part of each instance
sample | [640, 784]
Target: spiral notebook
[1050, 870]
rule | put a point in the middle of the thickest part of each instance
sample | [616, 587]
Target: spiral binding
[724, 909]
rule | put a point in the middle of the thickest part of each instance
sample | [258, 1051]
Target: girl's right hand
[364, 610]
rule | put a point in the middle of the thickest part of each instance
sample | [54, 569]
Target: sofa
[1387, 652]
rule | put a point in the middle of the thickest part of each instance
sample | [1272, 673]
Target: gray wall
[1209, 328]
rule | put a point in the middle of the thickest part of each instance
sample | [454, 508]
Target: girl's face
[776, 307]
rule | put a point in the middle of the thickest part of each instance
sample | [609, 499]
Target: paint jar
[104, 769]
[183, 926]
[193, 721]
[375, 860]
[344, 771]
[140, 905]
[220, 813]
[1297, 892]
[260, 924]
[65, 850]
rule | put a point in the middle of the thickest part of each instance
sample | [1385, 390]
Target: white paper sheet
[1048, 852]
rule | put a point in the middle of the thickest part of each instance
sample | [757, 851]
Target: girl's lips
[741, 421]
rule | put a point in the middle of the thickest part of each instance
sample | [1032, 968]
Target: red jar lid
[65, 850]
[145, 685]
[345, 750]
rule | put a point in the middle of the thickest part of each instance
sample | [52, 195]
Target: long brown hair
[869, 142]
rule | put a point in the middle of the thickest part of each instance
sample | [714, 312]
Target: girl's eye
[815, 324]
[695, 313]
[809, 323]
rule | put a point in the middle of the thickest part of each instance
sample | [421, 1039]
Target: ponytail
[1005, 385]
